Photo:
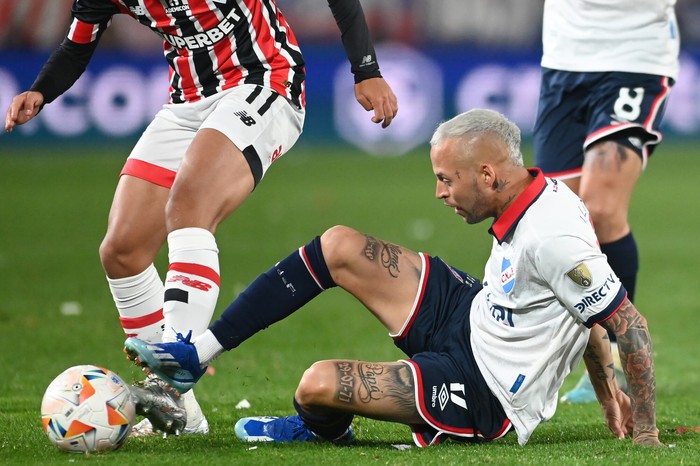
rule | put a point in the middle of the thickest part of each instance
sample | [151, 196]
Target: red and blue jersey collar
[509, 219]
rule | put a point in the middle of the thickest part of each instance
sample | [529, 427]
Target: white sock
[192, 282]
[139, 300]
[194, 411]
[208, 347]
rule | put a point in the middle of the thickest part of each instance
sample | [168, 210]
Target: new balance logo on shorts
[245, 118]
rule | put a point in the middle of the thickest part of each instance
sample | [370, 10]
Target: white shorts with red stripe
[263, 125]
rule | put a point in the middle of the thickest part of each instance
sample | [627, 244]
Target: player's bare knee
[608, 218]
[112, 256]
[184, 211]
[316, 385]
[336, 243]
[121, 259]
[600, 210]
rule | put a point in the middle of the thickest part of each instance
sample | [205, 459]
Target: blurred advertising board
[119, 93]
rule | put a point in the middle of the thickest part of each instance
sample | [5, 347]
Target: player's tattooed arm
[634, 343]
[599, 363]
[614, 403]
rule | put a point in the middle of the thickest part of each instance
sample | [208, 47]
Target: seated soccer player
[495, 352]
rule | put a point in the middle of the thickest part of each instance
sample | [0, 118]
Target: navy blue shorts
[577, 110]
[452, 396]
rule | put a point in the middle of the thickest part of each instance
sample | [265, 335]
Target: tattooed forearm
[599, 363]
[386, 254]
[597, 368]
[634, 342]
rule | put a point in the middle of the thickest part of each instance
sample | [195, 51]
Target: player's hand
[375, 94]
[23, 108]
[618, 414]
[618, 417]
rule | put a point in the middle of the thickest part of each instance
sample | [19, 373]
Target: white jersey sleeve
[580, 277]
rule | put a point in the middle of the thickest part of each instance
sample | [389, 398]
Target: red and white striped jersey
[210, 45]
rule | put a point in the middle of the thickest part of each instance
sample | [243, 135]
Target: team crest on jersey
[580, 275]
[507, 275]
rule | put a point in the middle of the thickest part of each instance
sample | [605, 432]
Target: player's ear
[487, 175]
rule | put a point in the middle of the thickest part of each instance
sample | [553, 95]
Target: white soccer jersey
[635, 36]
[545, 284]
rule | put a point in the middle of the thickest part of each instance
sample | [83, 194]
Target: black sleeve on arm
[62, 69]
[354, 32]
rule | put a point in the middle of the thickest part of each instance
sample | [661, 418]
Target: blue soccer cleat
[281, 429]
[176, 363]
[582, 393]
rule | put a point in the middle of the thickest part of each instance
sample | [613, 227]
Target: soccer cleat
[176, 363]
[162, 407]
[196, 421]
[583, 392]
[281, 429]
[145, 428]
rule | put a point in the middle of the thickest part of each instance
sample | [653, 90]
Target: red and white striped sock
[139, 300]
[192, 282]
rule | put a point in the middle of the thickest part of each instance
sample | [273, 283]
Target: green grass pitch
[53, 211]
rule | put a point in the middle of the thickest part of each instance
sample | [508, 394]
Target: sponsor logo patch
[580, 275]
[596, 296]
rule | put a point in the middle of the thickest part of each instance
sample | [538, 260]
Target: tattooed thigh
[378, 390]
[383, 253]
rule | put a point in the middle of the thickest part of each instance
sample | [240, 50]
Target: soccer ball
[87, 409]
